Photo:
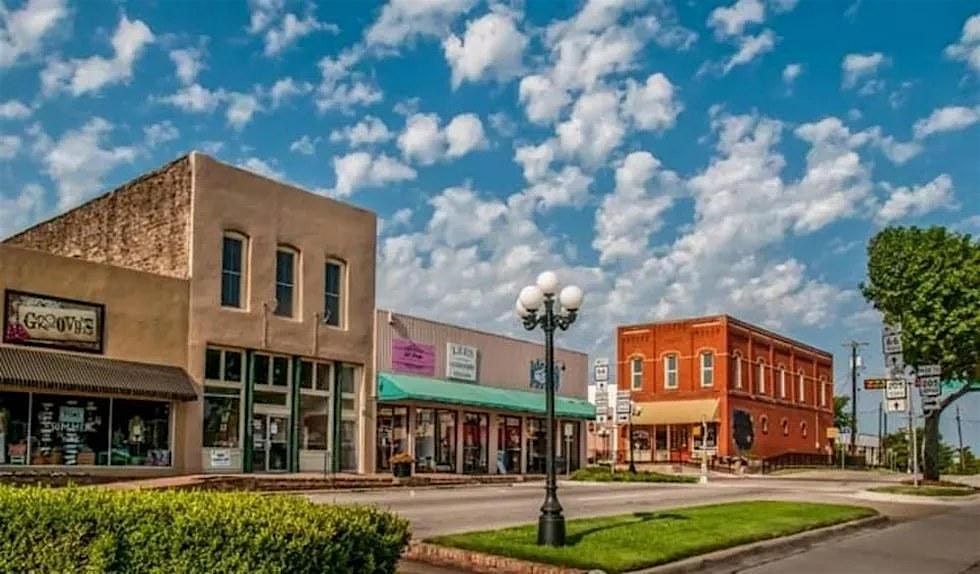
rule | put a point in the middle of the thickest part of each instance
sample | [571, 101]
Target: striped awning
[54, 371]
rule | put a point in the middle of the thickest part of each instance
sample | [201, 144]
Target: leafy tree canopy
[928, 280]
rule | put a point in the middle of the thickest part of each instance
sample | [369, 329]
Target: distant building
[760, 394]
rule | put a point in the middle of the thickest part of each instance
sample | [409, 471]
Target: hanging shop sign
[413, 358]
[538, 374]
[461, 362]
[45, 321]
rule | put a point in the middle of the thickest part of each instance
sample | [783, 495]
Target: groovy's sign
[40, 320]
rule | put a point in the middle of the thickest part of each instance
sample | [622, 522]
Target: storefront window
[140, 433]
[392, 434]
[314, 416]
[70, 431]
[348, 418]
[13, 427]
[425, 440]
[476, 431]
[536, 446]
[446, 447]
[509, 445]
[221, 414]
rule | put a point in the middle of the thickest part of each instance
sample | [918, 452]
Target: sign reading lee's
[45, 321]
[461, 362]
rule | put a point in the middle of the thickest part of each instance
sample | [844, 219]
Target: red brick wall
[143, 225]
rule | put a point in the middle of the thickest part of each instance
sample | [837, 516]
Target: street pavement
[927, 535]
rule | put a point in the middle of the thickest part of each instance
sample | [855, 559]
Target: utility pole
[915, 443]
[854, 345]
[959, 431]
[881, 441]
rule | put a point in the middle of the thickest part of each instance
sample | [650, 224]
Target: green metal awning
[392, 387]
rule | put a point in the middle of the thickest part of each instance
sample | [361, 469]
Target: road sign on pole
[930, 404]
[623, 406]
[895, 389]
[601, 407]
[897, 405]
[929, 370]
[600, 370]
[929, 386]
[875, 384]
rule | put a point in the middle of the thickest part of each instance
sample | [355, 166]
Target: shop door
[271, 443]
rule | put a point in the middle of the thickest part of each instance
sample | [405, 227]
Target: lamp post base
[551, 530]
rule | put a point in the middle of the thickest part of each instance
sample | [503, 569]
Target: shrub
[603, 474]
[95, 530]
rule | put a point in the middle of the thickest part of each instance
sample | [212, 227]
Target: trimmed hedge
[94, 530]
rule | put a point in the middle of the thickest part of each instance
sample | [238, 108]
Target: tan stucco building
[277, 309]
[467, 401]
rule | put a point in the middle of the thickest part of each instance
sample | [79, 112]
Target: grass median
[602, 474]
[926, 490]
[643, 539]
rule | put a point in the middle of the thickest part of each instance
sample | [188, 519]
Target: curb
[733, 555]
[478, 562]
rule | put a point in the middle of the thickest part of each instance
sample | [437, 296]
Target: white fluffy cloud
[14, 110]
[81, 76]
[728, 21]
[652, 105]
[79, 159]
[23, 209]
[241, 108]
[9, 146]
[160, 133]
[791, 72]
[628, 216]
[281, 29]
[341, 87]
[22, 31]
[491, 47]
[360, 170]
[369, 130]
[286, 88]
[304, 145]
[948, 119]
[262, 167]
[857, 68]
[188, 63]
[593, 129]
[917, 200]
[967, 48]
[425, 142]
[195, 98]
[751, 47]
[404, 20]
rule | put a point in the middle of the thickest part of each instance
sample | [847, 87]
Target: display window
[140, 433]
[14, 425]
[476, 431]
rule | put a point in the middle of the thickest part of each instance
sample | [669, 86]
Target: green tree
[842, 414]
[928, 281]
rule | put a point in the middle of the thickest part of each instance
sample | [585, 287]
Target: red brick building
[760, 393]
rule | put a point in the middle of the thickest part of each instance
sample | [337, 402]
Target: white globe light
[521, 311]
[531, 298]
[571, 298]
[548, 283]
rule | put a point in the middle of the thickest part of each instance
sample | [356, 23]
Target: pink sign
[414, 358]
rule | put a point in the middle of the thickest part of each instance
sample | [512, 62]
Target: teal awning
[392, 387]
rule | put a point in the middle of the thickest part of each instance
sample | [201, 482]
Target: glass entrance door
[270, 452]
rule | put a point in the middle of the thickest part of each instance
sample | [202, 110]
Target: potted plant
[401, 465]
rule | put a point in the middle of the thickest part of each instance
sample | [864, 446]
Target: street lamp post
[558, 313]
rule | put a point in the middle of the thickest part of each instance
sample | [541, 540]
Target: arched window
[287, 270]
[785, 424]
[636, 373]
[782, 382]
[800, 387]
[707, 368]
[737, 370]
[234, 255]
[761, 377]
[764, 423]
[803, 429]
[823, 391]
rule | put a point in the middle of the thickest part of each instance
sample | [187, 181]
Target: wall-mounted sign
[461, 362]
[43, 321]
[413, 358]
[538, 374]
[600, 371]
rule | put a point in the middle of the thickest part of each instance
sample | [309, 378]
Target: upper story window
[782, 383]
[285, 281]
[823, 392]
[801, 388]
[707, 368]
[334, 288]
[270, 370]
[223, 365]
[738, 370]
[761, 377]
[636, 373]
[233, 248]
[670, 370]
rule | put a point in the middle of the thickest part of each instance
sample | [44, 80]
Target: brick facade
[143, 225]
[782, 419]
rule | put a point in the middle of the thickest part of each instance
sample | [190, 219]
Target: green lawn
[643, 539]
[602, 474]
[926, 490]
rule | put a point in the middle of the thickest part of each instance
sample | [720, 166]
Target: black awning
[66, 372]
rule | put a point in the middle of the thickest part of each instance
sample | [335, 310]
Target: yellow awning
[676, 412]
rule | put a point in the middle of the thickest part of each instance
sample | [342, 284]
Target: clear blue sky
[673, 158]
